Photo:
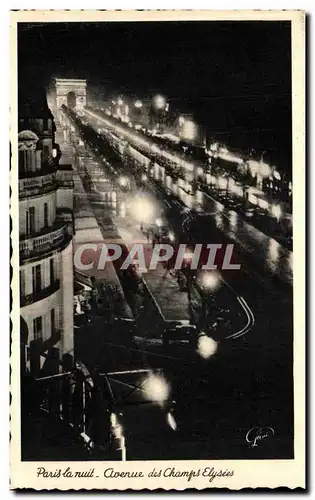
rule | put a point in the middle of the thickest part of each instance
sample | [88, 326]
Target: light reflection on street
[171, 421]
[218, 219]
[273, 253]
[233, 218]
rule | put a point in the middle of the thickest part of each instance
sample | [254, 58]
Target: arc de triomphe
[73, 90]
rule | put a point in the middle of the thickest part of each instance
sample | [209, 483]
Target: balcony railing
[26, 300]
[37, 185]
[55, 238]
[64, 176]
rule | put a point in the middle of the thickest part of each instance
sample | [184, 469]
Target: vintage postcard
[158, 185]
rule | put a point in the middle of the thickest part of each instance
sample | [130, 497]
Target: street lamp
[142, 209]
[210, 280]
[156, 388]
[206, 346]
[123, 181]
[159, 102]
[144, 177]
[138, 104]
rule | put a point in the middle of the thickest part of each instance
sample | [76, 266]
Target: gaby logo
[93, 257]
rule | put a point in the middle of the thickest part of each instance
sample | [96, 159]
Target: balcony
[26, 300]
[41, 184]
[53, 238]
[64, 176]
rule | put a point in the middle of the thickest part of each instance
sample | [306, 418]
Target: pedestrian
[168, 266]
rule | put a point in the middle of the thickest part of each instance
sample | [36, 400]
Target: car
[260, 212]
[180, 333]
[248, 212]
[234, 205]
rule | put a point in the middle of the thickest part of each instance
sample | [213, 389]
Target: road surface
[248, 382]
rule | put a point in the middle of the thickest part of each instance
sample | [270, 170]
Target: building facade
[46, 230]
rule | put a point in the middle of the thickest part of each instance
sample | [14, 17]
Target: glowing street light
[144, 177]
[142, 210]
[188, 256]
[210, 280]
[159, 102]
[123, 181]
[206, 347]
[138, 104]
[156, 388]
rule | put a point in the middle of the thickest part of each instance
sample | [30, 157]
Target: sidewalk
[172, 304]
[107, 291]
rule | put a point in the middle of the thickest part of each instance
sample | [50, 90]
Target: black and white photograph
[154, 212]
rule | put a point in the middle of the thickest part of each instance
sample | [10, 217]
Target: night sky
[235, 77]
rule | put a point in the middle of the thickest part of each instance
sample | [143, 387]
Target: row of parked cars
[239, 206]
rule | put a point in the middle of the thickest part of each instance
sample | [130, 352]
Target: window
[37, 328]
[37, 279]
[22, 283]
[45, 214]
[52, 321]
[52, 271]
[30, 220]
[22, 162]
[40, 124]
